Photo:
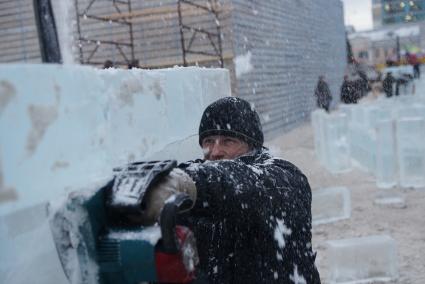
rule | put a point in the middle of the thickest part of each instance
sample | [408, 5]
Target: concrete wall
[292, 42]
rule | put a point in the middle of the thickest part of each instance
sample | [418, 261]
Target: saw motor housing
[94, 232]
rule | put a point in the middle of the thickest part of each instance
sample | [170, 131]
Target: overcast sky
[358, 13]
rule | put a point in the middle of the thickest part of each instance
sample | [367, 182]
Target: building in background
[387, 12]
[377, 13]
[275, 50]
[389, 43]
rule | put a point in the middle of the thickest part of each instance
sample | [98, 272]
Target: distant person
[363, 84]
[412, 59]
[323, 94]
[387, 84]
[348, 92]
[108, 64]
[133, 64]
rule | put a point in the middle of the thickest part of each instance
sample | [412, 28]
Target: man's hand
[176, 182]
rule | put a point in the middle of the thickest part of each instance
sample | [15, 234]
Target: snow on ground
[405, 225]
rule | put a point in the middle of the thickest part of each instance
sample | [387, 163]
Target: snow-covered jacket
[323, 94]
[252, 220]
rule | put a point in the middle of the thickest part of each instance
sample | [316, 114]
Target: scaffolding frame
[96, 42]
[188, 33]
[186, 43]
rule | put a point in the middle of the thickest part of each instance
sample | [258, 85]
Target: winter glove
[177, 181]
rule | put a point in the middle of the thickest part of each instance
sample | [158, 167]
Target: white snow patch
[243, 64]
[279, 256]
[256, 170]
[149, 234]
[280, 231]
[297, 278]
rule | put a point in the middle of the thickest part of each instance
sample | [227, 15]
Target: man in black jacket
[323, 94]
[252, 212]
[348, 92]
[387, 84]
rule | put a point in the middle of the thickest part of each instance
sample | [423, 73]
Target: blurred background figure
[412, 59]
[323, 94]
[108, 64]
[387, 84]
[348, 91]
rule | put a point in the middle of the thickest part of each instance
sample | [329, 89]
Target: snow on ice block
[411, 151]
[330, 205]
[70, 125]
[28, 253]
[362, 260]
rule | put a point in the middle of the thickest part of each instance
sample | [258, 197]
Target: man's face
[219, 147]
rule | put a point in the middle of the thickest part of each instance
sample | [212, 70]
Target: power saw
[98, 241]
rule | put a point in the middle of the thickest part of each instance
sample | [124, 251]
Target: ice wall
[64, 128]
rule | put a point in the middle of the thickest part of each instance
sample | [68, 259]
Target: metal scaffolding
[189, 33]
[87, 57]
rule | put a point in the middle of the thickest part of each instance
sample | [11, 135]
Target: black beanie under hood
[231, 116]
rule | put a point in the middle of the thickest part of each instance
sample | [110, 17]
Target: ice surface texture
[70, 125]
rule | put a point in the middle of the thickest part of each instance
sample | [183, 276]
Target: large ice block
[317, 117]
[70, 125]
[386, 158]
[414, 109]
[362, 260]
[28, 253]
[411, 151]
[64, 128]
[330, 205]
[363, 147]
[358, 115]
[337, 149]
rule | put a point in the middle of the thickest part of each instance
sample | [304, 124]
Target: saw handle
[167, 221]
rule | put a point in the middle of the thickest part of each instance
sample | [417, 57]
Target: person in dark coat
[252, 212]
[323, 94]
[413, 60]
[387, 84]
[348, 92]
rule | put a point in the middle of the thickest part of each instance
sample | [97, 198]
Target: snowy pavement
[406, 225]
